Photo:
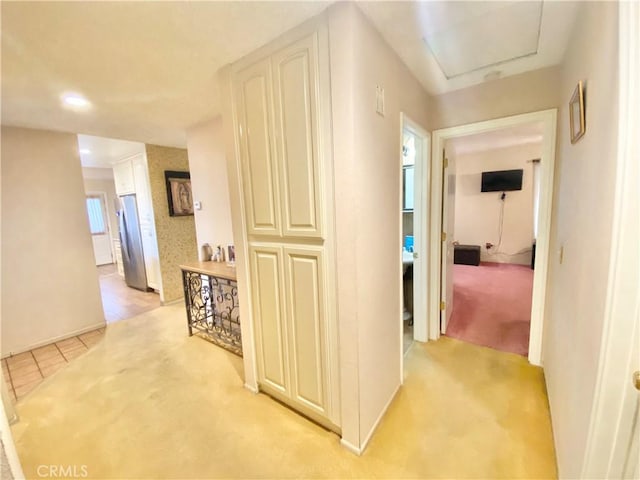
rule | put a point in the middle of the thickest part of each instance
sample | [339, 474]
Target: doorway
[414, 141]
[491, 186]
[441, 251]
[98, 156]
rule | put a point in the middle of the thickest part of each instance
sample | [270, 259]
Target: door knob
[636, 379]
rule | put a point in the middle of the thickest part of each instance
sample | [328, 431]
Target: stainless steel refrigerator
[135, 274]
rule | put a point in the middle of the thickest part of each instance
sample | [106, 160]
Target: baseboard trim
[51, 340]
[251, 388]
[363, 447]
[172, 302]
[351, 447]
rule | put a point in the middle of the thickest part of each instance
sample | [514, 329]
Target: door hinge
[445, 163]
[444, 236]
[442, 305]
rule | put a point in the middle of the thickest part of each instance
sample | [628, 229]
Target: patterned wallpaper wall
[176, 235]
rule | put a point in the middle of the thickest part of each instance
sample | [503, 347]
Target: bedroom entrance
[493, 191]
[504, 184]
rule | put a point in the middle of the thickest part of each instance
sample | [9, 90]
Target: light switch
[379, 100]
[197, 205]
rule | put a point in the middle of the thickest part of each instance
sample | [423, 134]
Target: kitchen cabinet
[123, 178]
[117, 248]
[146, 220]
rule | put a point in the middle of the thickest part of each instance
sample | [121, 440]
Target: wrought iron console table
[211, 298]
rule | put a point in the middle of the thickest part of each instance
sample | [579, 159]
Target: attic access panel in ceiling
[494, 37]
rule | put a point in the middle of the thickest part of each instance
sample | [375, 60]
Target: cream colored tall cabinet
[282, 108]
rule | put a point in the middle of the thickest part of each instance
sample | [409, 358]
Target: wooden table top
[215, 269]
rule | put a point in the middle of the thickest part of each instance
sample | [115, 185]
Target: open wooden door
[448, 222]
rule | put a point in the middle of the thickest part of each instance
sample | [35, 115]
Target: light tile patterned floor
[25, 371]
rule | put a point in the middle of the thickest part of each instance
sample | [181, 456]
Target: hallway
[464, 411]
[119, 301]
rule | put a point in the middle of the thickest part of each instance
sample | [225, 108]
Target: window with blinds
[96, 215]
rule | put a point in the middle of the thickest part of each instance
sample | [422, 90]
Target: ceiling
[149, 68]
[450, 45]
[99, 152]
[527, 134]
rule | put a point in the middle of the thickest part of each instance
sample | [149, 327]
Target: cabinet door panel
[295, 74]
[146, 220]
[307, 327]
[268, 316]
[258, 167]
[123, 178]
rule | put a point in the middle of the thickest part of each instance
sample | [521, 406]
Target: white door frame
[548, 118]
[420, 229]
[615, 399]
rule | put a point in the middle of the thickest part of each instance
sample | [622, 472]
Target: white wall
[477, 217]
[50, 283]
[582, 224]
[209, 182]
[101, 180]
[527, 92]
[368, 168]
[10, 467]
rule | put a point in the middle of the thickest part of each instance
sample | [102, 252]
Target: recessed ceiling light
[75, 100]
[85, 151]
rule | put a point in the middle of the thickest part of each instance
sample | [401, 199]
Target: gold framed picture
[576, 113]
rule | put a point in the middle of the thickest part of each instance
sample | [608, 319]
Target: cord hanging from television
[503, 197]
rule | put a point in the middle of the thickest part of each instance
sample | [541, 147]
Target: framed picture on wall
[231, 254]
[576, 113]
[179, 194]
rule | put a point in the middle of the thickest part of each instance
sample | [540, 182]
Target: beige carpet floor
[150, 402]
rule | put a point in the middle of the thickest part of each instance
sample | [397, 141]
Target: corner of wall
[209, 180]
[45, 235]
[176, 236]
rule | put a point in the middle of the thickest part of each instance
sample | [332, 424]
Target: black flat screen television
[501, 181]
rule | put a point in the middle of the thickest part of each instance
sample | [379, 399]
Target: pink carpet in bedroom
[492, 306]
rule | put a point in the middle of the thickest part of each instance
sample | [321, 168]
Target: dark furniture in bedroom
[466, 254]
